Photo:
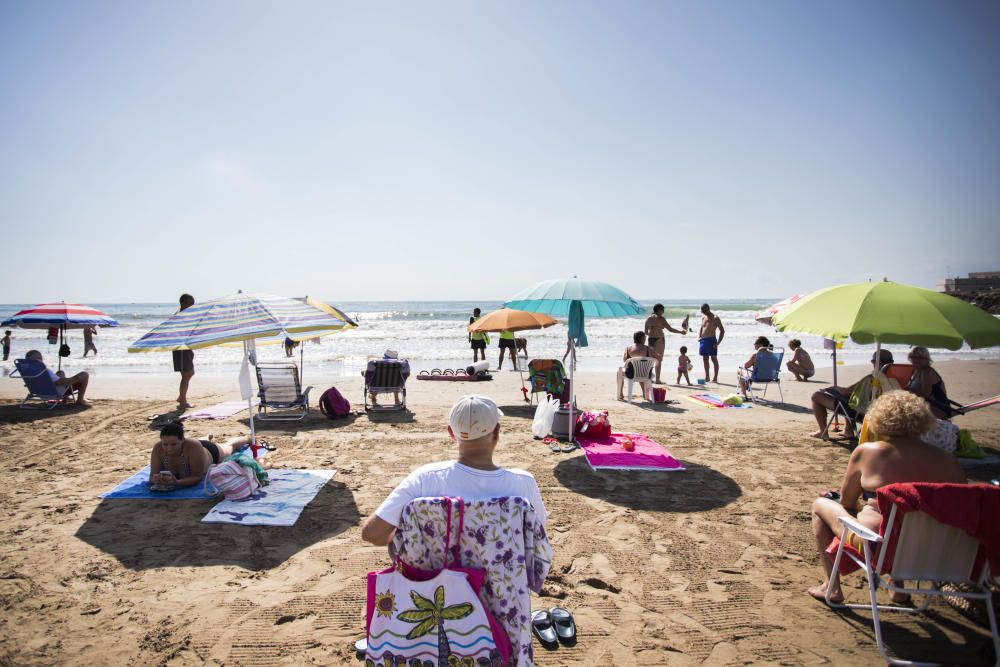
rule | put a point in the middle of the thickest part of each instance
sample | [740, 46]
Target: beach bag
[967, 447]
[545, 413]
[594, 424]
[629, 370]
[333, 404]
[64, 350]
[403, 603]
[232, 480]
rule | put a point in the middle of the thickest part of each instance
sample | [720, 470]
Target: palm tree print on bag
[429, 615]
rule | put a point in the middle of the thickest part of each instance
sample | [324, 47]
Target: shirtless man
[655, 324]
[709, 338]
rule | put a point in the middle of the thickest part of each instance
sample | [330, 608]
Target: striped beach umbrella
[241, 317]
[62, 314]
[766, 316]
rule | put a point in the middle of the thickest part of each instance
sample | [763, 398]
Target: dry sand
[706, 566]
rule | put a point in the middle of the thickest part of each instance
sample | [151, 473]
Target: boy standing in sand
[184, 362]
[88, 340]
[655, 324]
[709, 339]
[5, 341]
[474, 425]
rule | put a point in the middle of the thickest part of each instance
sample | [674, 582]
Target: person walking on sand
[710, 337]
[5, 342]
[477, 340]
[507, 343]
[88, 340]
[184, 362]
[655, 324]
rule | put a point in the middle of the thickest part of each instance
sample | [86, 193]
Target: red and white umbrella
[63, 315]
[765, 316]
[59, 316]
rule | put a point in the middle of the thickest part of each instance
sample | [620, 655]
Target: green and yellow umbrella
[888, 312]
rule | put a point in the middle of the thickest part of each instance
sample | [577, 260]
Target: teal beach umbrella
[576, 299]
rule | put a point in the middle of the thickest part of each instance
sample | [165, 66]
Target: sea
[432, 334]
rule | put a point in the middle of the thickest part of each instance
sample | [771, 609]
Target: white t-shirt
[451, 478]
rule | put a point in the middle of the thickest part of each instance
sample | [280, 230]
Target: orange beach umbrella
[508, 319]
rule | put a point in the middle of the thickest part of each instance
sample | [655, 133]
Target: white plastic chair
[926, 550]
[643, 368]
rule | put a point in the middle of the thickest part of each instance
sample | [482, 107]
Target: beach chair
[766, 371]
[42, 391]
[280, 392]
[643, 369]
[546, 375]
[514, 566]
[386, 376]
[916, 547]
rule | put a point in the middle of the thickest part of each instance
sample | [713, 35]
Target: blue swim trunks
[708, 347]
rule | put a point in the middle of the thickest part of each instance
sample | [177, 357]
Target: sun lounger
[281, 392]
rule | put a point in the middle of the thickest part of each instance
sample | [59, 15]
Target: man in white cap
[474, 424]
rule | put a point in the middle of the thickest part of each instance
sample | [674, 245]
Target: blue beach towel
[137, 486]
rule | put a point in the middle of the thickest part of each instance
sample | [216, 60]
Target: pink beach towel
[607, 453]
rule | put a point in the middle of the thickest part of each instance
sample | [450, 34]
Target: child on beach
[5, 341]
[683, 366]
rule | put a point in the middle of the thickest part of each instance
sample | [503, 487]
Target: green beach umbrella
[888, 312]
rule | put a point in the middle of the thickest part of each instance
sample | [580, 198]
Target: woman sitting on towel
[899, 418]
[180, 461]
[637, 349]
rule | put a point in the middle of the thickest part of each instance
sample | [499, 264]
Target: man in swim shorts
[655, 324]
[184, 362]
[709, 338]
[477, 340]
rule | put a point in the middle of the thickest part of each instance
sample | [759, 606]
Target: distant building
[976, 282]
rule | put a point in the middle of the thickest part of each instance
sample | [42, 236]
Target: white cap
[473, 417]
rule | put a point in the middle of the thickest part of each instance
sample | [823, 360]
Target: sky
[466, 150]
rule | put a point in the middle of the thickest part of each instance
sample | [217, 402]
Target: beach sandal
[568, 447]
[552, 444]
[542, 627]
[565, 626]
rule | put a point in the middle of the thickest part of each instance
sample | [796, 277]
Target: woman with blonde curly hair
[899, 418]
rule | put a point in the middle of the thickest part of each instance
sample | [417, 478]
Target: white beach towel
[220, 411]
[278, 504]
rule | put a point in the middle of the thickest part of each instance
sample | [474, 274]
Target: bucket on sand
[659, 395]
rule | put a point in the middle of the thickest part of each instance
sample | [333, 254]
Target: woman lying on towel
[899, 418]
[180, 461]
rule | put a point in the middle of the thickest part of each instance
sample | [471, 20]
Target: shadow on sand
[12, 413]
[145, 534]
[696, 489]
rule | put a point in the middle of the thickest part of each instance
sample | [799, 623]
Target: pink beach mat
[607, 453]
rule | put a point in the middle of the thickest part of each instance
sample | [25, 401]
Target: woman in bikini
[899, 418]
[180, 461]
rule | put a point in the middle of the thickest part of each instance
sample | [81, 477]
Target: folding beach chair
[547, 375]
[766, 370]
[42, 391]
[280, 392]
[385, 377]
[642, 372]
[925, 550]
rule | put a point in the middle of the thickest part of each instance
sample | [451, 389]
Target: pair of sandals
[554, 445]
[554, 626]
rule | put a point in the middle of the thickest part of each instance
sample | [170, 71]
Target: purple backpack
[333, 404]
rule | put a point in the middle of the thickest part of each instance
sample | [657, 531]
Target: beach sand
[704, 566]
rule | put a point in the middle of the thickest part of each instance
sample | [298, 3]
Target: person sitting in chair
[637, 349]
[927, 383]
[474, 425]
[829, 398]
[899, 418]
[745, 372]
[369, 372]
[63, 383]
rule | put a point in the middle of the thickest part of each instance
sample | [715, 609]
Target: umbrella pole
[572, 391]
[62, 341]
[302, 366]
[253, 432]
